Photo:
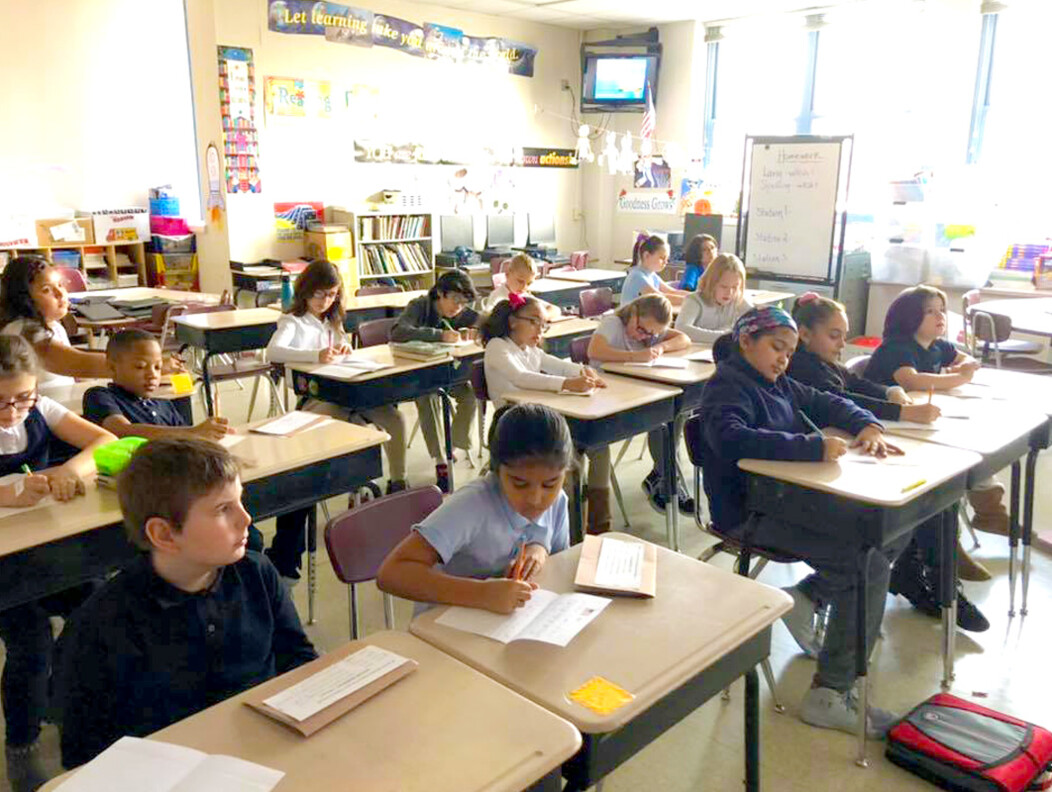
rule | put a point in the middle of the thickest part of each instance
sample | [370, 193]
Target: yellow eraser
[182, 383]
[601, 696]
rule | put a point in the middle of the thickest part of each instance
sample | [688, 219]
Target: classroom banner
[349, 25]
[299, 17]
[647, 202]
[407, 153]
[549, 157]
[399, 34]
[289, 96]
[443, 43]
[236, 96]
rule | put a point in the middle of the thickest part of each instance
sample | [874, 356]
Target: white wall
[95, 104]
[419, 100]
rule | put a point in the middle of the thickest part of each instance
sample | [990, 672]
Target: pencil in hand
[931, 393]
[518, 566]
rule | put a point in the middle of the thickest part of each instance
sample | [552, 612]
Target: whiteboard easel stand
[836, 242]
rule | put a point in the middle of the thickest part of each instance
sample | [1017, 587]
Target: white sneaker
[830, 709]
[800, 622]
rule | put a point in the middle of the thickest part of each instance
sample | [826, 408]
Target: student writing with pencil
[486, 544]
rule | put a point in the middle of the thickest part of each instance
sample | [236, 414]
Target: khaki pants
[430, 420]
[387, 417]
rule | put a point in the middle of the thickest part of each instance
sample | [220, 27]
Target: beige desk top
[647, 646]
[553, 284]
[1032, 390]
[261, 455]
[991, 424]
[880, 484]
[443, 728]
[392, 300]
[766, 297]
[382, 354]
[72, 396]
[621, 393]
[588, 275]
[147, 292]
[572, 326]
[225, 320]
[694, 372]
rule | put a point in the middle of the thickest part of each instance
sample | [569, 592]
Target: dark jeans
[833, 553]
[290, 541]
[29, 643]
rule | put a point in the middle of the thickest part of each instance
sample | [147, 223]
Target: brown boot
[598, 503]
[990, 514]
[968, 568]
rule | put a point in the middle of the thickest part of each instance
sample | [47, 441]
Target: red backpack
[962, 746]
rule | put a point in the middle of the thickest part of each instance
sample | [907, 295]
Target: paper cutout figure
[584, 145]
[610, 154]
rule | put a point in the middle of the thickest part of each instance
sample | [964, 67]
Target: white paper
[546, 616]
[364, 364]
[620, 564]
[136, 765]
[704, 356]
[975, 390]
[663, 362]
[287, 424]
[565, 392]
[262, 270]
[337, 371]
[889, 461]
[231, 440]
[67, 232]
[338, 681]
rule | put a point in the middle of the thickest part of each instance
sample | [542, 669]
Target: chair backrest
[857, 365]
[478, 381]
[579, 350]
[971, 297]
[579, 259]
[72, 279]
[595, 302]
[991, 328]
[375, 332]
[496, 264]
[365, 291]
[499, 279]
[360, 539]
[694, 439]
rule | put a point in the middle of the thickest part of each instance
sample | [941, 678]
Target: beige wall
[312, 159]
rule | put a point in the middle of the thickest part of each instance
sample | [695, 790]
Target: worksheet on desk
[662, 362]
[547, 617]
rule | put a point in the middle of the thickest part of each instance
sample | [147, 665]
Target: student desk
[443, 728]
[1003, 430]
[691, 383]
[558, 291]
[671, 652]
[225, 332]
[757, 297]
[881, 502]
[623, 409]
[260, 280]
[47, 549]
[406, 380]
[557, 341]
[148, 292]
[1031, 315]
[595, 278]
[376, 306]
[72, 396]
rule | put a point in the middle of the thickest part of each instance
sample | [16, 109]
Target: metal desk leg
[752, 731]
[206, 381]
[447, 426]
[576, 510]
[671, 490]
[312, 561]
[948, 591]
[862, 653]
[1013, 534]
[1028, 521]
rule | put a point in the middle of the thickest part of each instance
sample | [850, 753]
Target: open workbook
[133, 765]
[617, 566]
[547, 617]
[348, 367]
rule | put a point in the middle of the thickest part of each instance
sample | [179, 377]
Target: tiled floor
[1002, 668]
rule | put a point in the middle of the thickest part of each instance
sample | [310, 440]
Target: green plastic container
[112, 458]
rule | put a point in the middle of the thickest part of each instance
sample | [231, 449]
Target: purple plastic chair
[579, 350]
[359, 539]
[375, 331]
[478, 384]
[595, 302]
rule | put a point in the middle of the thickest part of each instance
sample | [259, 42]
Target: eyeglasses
[332, 294]
[540, 324]
[458, 299]
[643, 331]
[24, 401]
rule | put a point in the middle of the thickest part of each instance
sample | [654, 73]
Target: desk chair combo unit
[988, 336]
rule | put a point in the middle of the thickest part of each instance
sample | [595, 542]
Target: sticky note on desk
[182, 383]
[601, 696]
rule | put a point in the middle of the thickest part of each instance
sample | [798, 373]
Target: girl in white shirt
[521, 272]
[714, 308]
[513, 360]
[33, 302]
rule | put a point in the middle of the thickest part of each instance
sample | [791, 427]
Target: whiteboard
[792, 208]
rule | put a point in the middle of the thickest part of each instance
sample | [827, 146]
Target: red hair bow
[516, 300]
[806, 297]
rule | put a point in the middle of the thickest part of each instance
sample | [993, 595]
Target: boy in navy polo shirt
[194, 620]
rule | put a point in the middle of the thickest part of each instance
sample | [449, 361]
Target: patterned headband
[766, 317]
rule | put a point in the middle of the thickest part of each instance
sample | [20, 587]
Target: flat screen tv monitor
[500, 231]
[542, 230]
[457, 231]
[618, 82]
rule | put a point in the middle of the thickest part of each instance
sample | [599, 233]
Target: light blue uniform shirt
[477, 534]
[635, 280]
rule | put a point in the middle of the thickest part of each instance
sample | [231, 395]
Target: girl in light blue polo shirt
[649, 257]
[467, 551]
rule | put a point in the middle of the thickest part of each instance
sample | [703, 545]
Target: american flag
[646, 129]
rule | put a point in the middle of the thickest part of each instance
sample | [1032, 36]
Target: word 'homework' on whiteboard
[547, 617]
[792, 207]
[132, 765]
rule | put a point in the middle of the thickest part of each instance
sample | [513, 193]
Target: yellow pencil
[914, 485]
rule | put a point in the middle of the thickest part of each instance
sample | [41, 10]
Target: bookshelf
[103, 266]
[395, 245]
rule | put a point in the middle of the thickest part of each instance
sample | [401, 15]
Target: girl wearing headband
[519, 274]
[750, 409]
[649, 257]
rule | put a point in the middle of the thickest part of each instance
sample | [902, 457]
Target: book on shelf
[395, 258]
[393, 227]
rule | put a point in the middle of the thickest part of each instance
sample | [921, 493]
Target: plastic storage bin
[164, 207]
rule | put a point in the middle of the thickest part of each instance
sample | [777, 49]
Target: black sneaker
[686, 502]
[654, 487]
[915, 581]
[969, 617]
[396, 485]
